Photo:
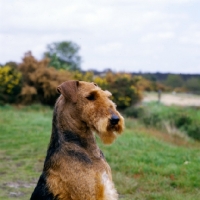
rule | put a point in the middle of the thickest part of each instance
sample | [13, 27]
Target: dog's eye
[91, 97]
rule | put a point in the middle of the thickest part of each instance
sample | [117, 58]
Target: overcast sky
[124, 35]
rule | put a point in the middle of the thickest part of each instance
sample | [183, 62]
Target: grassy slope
[144, 167]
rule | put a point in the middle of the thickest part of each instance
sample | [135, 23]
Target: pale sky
[123, 35]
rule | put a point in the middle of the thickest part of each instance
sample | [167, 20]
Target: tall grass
[143, 166]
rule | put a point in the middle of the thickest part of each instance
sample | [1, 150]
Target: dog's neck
[75, 138]
[87, 143]
[82, 136]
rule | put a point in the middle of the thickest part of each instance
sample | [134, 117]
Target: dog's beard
[108, 132]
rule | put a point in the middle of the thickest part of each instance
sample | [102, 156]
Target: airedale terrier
[75, 167]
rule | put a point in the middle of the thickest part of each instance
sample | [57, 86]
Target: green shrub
[152, 119]
[134, 111]
[193, 131]
[181, 119]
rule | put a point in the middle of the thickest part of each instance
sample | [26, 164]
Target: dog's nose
[114, 119]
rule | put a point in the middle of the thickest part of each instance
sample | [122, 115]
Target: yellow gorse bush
[9, 79]
[88, 76]
[101, 82]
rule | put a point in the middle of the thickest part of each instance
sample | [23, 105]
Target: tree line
[177, 82]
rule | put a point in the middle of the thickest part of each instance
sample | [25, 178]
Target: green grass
[144, 166]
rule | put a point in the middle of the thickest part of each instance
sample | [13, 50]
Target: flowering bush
[124, 88]
[10, 84]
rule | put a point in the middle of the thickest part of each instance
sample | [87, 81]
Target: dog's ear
[69, 90]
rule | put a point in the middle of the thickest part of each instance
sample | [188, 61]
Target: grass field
[146, 163]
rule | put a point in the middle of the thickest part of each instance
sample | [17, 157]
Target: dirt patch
[17, 189]
[174, 99]
[16, 194]
[19, 185]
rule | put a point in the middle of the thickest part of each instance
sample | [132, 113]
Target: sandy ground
[174, 99]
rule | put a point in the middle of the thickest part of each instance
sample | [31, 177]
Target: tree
[12, 64]
[64, 55]
[193, 84]
[174, 81]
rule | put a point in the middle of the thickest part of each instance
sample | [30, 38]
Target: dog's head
[92, 106]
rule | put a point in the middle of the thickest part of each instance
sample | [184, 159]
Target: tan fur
[68, 178]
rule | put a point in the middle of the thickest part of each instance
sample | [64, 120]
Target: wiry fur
[75, 168]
